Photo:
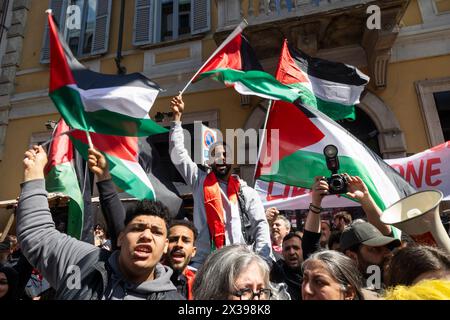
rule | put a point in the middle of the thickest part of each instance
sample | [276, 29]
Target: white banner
[427, 170]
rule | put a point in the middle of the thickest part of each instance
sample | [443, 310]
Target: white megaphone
[418, 216]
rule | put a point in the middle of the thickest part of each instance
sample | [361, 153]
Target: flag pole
[48, 142]
[263, 136]
[235, 32]
[89, 139]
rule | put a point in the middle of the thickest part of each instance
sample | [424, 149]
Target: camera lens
[337, 183]
[330, 151]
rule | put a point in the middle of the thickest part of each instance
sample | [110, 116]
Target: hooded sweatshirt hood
[121, 289]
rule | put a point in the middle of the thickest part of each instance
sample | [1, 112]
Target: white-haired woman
[233, 273]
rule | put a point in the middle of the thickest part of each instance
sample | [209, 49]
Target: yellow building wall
[400, 95]
[17, 141]
[412, 15]
[226, 101]
[133, 63]
[34, 34]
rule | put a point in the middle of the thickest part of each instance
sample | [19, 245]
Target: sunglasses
[3, 282]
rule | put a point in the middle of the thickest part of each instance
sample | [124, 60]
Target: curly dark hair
[186, 223]
[148, 208]
[410, 262]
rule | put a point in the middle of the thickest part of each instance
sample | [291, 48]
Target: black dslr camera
[337, 182]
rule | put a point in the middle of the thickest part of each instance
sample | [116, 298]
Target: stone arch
[390, 138]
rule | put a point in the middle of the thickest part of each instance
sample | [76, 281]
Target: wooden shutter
[59, 8]
[201, 16]
[101, 31]
[143, 22]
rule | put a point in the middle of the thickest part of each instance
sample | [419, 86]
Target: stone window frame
[425, 90]
[38, 138]
[211, 116]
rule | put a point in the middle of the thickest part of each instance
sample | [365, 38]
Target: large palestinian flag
[300, 135]
[90, 101]
[132, 167]
[235, 64]
[60, 176]
[333, 88]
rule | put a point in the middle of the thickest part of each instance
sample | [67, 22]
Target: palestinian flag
[122, 156]
[90, 101]
[235, 64]
[60, 176]
[333, 88]
[301, 134]
[134, 168]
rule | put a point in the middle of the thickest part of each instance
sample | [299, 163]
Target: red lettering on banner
[271, 197]
[411, 171]
[399, 169]
[430, 172]
[298, 191]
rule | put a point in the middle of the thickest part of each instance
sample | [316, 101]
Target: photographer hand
[319, 190]
[359, 191]
[357, 188]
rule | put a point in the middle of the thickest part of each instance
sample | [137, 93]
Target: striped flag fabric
[60, 176]
[331, 87]
[122, 156]
[95, 102]
[303, 133]
[235, 64]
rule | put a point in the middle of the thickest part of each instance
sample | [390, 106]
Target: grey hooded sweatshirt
[59, 256]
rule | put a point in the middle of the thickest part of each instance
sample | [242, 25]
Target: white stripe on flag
[336, 92]
[242, 89]
[136, 169]
[135, 102]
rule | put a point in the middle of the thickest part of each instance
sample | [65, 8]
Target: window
[89, 35]
[175, 19]
[442, 100]
[434, 99]
[40, 138]
[165, 20]
[80, 40]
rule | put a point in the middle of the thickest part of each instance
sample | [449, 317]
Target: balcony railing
[231, 12]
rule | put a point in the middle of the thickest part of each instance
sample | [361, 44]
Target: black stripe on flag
[248, 56]
[328, 70]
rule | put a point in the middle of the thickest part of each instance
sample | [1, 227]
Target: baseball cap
[365, 233]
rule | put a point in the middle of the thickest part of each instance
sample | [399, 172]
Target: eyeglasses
[248, 294]
[3, 282]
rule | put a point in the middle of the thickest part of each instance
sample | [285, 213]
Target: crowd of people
[233, 249]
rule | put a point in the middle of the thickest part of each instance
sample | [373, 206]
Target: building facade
[405, 109]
